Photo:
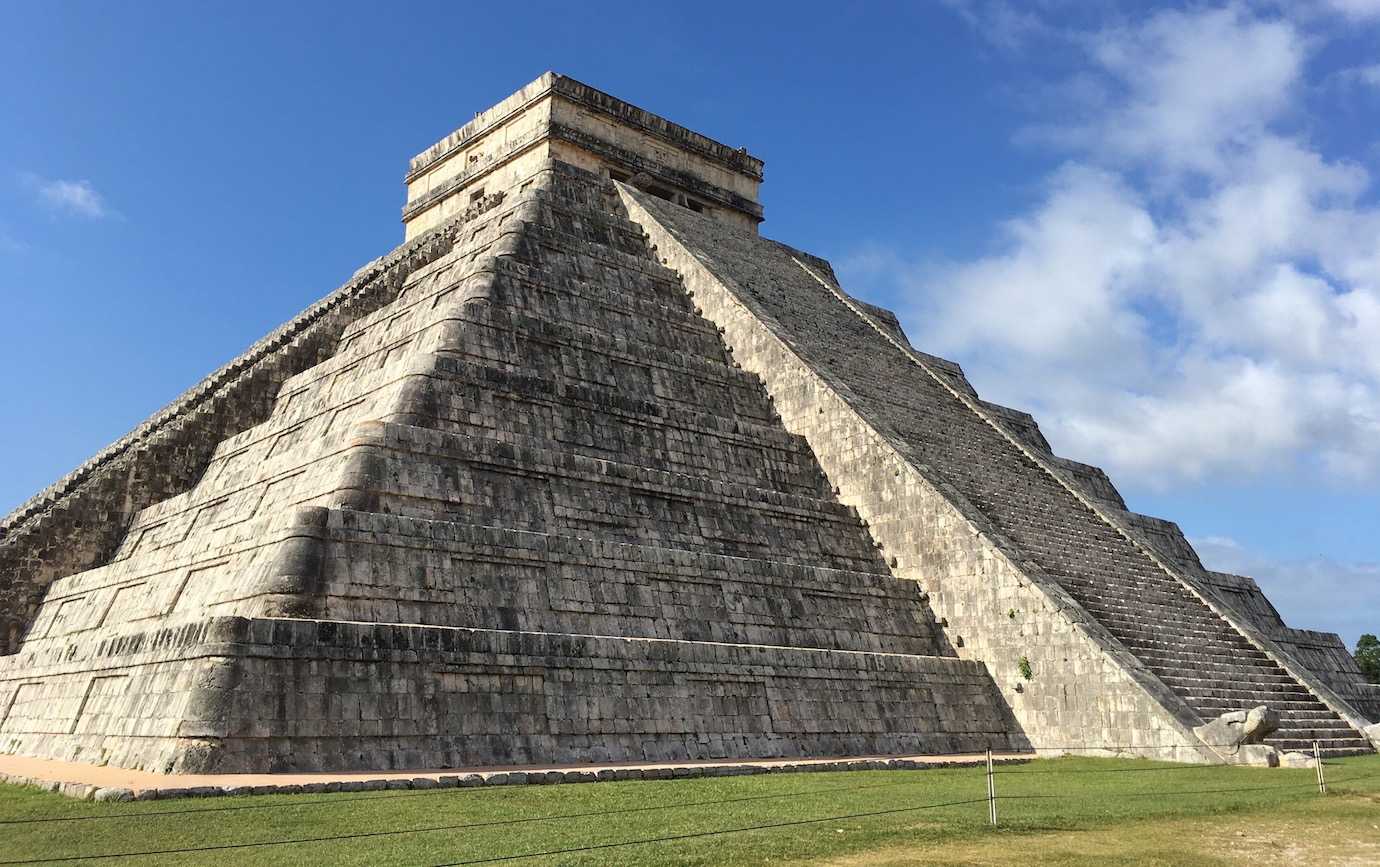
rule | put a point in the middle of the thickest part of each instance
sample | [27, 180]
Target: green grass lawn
[849, 817]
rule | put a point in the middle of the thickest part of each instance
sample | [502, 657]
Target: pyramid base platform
[237, 695]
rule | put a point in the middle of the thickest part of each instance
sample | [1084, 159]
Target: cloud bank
[1305, 589]
[1196, 293]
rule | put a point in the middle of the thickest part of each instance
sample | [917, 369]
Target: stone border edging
[89, 792]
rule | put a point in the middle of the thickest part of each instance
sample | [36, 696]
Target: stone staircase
[1196, 652]
[934, 420]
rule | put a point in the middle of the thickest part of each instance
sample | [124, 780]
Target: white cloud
[69, 198]
[1357, 10]
[1191, 86]
[1003, 24]
[1305, 591]
[1367, 75]
[1086, 209]
[1197, 292]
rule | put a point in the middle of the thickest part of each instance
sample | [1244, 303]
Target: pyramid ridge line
[214, 383]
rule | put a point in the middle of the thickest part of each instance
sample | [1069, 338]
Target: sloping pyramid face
[1033, 559]
[529, 510]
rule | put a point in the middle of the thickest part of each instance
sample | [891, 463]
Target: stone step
[665, 409]
[545, 247]
[1178, 656]
[1227, 643]
[1208, 685]
[650, 276]
[1328, 746]
[1293, 720]
[1190, 666]
[434, 475]
[1218, 640]
[1170, 647]
[1185, 611]
[1188, 680]
[1133, 601]
[1226, 700]
[1260, 676]
[1153, 616]
[599, 422]
[562, 297]
[465, 575]
[507, 337]
[1301, 706]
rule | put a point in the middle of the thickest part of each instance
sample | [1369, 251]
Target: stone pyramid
[587, 470]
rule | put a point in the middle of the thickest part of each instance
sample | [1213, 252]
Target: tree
[1368, 657]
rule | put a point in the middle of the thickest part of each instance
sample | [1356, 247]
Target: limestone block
[1238, 727]
[1373, 733]
[1261, 755]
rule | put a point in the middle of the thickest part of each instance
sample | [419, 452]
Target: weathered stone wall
[239, 695]
[127, 698]
[388, 568]
[556, 117]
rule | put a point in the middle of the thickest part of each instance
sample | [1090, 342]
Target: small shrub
[1024, 668]
[1368, 657]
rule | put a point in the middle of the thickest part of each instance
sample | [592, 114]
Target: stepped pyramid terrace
[588, 470]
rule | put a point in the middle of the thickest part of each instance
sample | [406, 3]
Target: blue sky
[1155, 226]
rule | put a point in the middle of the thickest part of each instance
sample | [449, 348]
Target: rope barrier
[459, 827]
[1177, 792]
[674, 837]
[332, 799]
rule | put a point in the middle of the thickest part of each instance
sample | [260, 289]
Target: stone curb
[86, 792]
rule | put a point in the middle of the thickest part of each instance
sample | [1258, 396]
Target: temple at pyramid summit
[588, 470]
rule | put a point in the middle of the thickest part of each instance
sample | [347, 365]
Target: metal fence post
[1317, 760]
[991, 790]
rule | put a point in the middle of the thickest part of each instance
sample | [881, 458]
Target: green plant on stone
[1025, 669]
[1368, 656]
